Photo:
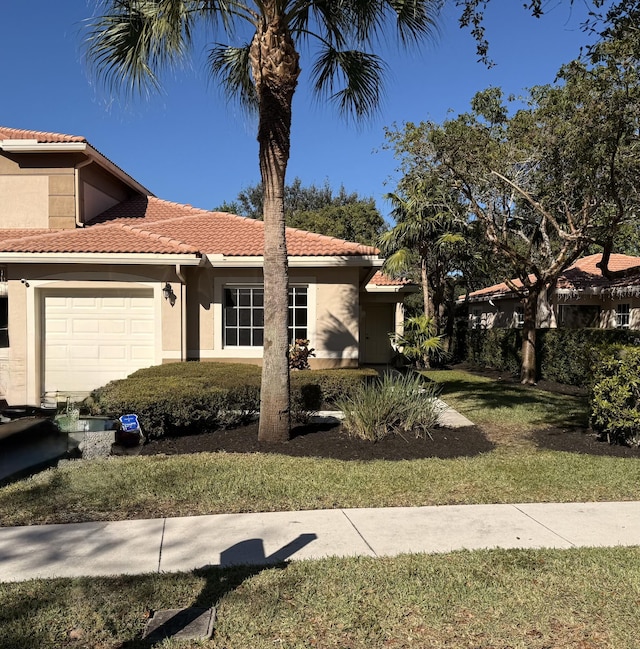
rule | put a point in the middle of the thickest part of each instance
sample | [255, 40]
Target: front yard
[571, 599]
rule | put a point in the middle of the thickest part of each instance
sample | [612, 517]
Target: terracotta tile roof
[7, 133]
[220, 232]
[582, 275]
[116, 238]
[380, 279]
[19, 233]
[150, 225]
[585, 274]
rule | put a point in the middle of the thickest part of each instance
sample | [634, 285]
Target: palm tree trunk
[275, 71]
[426, 293]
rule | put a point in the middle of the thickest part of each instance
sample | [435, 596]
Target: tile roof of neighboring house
[41, 136]
[151, 225]
[582, 275]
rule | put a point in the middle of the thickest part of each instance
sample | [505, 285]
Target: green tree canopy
[547, 180]
[318, 209]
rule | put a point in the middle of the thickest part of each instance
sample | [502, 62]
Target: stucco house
[98, 278]
[582, 297]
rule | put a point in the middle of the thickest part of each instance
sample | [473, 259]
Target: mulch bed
[329, 441]
[332, 441]
[580, 440]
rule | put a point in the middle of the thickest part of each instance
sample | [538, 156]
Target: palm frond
[360, 75]
[231, 67]
[134, 39]
[398, 263]
[416, 18]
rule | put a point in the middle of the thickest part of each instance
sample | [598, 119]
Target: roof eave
[311, 261]
[153, 259]
[33, 146]
[404, 288]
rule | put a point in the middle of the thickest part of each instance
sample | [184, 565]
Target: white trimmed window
[475, 319]
[518, 317]
[623, 313]
[243, 315]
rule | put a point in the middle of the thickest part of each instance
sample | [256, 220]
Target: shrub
[299, 354]
[184, 397]
[615, 396]
[180, 398]
[563, 355]
[396, 404]
[419, 343]
[332, 384]
[495, 348]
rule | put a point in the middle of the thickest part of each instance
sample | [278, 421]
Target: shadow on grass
[238, 563]
[544, 408]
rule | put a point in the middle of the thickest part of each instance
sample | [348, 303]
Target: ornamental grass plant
[395, 404]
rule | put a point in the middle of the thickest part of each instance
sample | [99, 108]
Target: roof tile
[583, 274]
[150, 225]
[7, 133]
[380, 279]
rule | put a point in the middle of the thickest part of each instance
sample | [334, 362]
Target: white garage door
[93, 338]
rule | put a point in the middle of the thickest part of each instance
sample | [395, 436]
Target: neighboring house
[98, 278]
[582, 297]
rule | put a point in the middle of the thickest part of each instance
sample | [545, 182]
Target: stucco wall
[37, 191]
[24, 355]
[333, 313]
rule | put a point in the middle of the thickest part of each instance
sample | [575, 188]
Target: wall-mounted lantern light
[168, 293]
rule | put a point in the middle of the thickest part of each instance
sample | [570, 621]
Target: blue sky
[188, 145]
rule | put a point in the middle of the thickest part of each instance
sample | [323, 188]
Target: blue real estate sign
[130, 423]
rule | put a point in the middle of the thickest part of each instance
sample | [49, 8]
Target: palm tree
[130, 41]
[428, 231]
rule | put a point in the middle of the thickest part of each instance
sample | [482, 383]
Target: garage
[91, 338]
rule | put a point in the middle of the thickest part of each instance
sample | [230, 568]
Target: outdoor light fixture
[168, 293]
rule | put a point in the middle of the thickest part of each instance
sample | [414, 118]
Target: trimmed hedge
[181, 398]
[563, 355]
[615, 396]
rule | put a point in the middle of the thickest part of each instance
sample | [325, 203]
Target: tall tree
[132, 41]
[430, 230]
[550, 180]
[318, 209]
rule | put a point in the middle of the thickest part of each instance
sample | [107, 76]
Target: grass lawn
[515, 599]
[516, 471]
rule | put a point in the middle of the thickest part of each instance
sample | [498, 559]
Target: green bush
[164, 404]
[562, 355]
[396, 404]
[184, 397]
[180, 398]
[615, 396]
[568, 355]
[495, 348]
[332, 384]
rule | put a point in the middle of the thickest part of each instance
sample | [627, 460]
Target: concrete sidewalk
[180, 544]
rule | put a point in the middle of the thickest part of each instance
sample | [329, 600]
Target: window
[518, 317]
[475, 319]
[4, 310]
[297, 313]
[623, 312]
[244, 315]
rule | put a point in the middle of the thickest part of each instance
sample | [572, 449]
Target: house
[98, 277]
[582, 297]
